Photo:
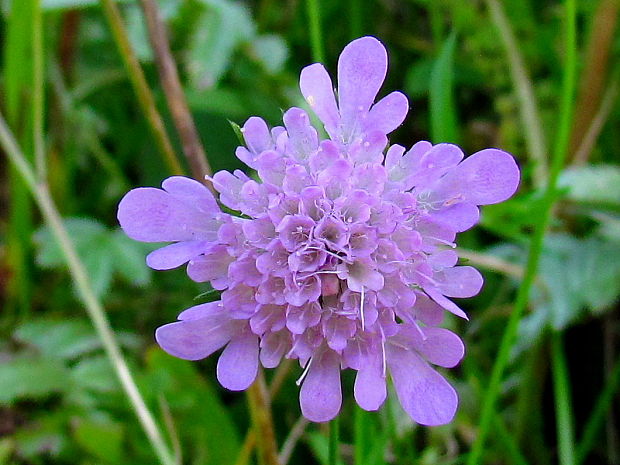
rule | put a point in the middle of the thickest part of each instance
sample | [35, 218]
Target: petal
[487, 177]
[191, 191]
[445, 302]
[195, 339]
[361, 70]
[441, 347]
[388, 113]
[256, 135]
[430, 165]
[303, 138]
[316, 87]
[459, 217]
[175, 255]
[152, 215]
[460, 281]
[370, 389]
[210, 309]
[424, 394]
[237, 367]
[321, 396]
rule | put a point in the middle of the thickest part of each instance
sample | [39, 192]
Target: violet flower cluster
[343, 254]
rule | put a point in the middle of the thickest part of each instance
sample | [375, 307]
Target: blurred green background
[477, 73]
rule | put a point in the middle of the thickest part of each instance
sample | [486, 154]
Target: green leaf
[103, 252]
[31, 378]
[61, 339]
[599, 185]
[219, 31]
[101, 437]
[70, 4]
[271, 51]
[95, 374]
[442, 108]
[200, 416]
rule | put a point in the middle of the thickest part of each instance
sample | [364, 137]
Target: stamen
[304, 373]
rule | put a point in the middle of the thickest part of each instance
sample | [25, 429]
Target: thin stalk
[582, 154]
[562, 397]
[262, 421]
[38, 92]
[356, 18]
[559, 156]
[513, 452]
[597, 418]
[292, 439]
[169, 77]
[42, 197]
[316, 34]
[140, 86]
[530, 116]
[333, 457]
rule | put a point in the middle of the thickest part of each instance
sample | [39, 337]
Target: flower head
[343, 256]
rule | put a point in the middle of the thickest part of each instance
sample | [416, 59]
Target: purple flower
[343, 256]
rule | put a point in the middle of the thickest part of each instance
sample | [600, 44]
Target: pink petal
[361, 70]
[320, 396]
[175, 255]
[195, 339]
[445, 302]
[256, 135]
[487, 177]
[237, 367]
[388, 113]
[424, 394]
[459, 217]
[152, 215]
[193, 192]
[441, 347]
[370, 389]
[316, 87]
[460, 281]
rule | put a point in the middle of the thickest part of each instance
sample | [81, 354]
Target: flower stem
[333, 457]
[595, 422]
[530, 116]
[140, 86]
[563, 411]
[316, 34]
[38, 99]
[260, 411]
[42, 197]
[559, 156]
[169, 77]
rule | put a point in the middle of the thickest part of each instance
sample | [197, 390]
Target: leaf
[103, 252]
[221, 28]
[31, 378]
[271, 51]
[70, 4]
[95, 374]
[101, 437]
[65, 339]
[199, 413]
[442, 108]
[593, 184]
[60, 339]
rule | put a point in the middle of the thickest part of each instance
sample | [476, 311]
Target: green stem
[563, 410]
[559, 156]
[42, 197]
[356, 18]
[530, 115]
[38, 93]
[333, 457]
[316, 34]
[140, 86]
[597, 418]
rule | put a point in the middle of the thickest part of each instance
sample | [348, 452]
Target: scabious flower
[343, 255]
